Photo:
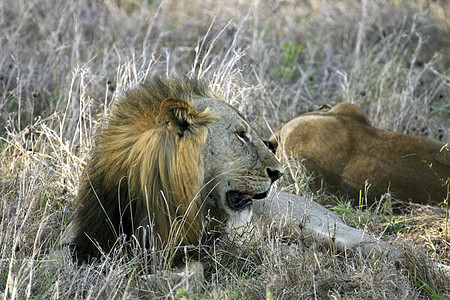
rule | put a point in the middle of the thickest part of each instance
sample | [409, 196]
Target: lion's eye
[242, 136]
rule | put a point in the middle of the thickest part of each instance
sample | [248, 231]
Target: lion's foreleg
[315, 223]
[304, 219]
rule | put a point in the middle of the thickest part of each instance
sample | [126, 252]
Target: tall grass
[63, 62]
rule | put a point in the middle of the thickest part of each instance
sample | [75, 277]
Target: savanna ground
[63, 62]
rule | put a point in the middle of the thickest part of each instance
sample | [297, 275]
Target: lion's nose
[274, 174]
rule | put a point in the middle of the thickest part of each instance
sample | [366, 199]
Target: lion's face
[238, 165]
[170, 156]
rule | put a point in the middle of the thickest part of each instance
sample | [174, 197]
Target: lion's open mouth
[238, 200]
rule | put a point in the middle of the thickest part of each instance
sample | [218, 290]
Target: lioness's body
[343, 151]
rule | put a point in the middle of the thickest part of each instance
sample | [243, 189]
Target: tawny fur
[344, 152]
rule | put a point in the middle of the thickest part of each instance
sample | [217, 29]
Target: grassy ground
[62, 62]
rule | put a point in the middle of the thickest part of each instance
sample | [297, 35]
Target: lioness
[347, 155]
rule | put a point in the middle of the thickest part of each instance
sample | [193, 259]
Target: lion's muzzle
[237, 200]
[274, 175]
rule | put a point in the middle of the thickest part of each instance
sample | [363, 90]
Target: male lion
[171, 156]
[346, 154]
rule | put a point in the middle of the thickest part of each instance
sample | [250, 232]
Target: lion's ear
[325, 107]
[181, 117]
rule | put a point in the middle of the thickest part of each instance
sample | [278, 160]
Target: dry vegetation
[62, 63]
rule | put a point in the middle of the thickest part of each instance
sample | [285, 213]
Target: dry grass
[62, 62]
